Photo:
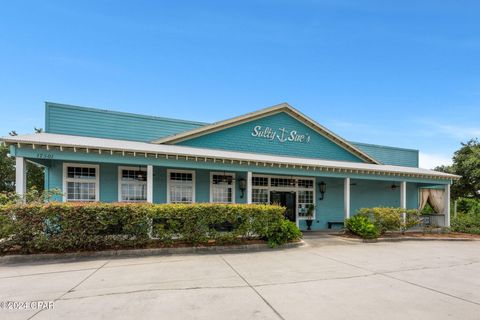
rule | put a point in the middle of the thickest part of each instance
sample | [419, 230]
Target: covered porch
[94, 169]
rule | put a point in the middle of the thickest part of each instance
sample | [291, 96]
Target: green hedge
[370, 223]
[466, 222]
[59, 227]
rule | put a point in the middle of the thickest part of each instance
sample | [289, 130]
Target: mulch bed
[398, 235]
[152, 245]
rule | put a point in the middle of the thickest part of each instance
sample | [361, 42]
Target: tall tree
[466, 163]
[7, 170]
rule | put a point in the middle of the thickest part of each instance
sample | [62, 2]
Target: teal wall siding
[363, 194]
[239, 138]
[81, 121]
[74, 120]
[390, 155]
[108, 182]
[55, 176]
[202, 186]
[159, 185]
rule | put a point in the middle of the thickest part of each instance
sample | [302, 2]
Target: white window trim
[233, 185]
[119, 184]
[182, 171]
[296, 189]
[81, 165]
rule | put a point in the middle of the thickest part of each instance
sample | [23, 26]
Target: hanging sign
[281, 134]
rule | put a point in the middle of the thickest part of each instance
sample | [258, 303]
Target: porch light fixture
[139, 173]
[322, 187]
[242, 184]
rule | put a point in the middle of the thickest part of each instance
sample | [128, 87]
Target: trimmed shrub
[362, 226]
[59, 227]
[391, 219]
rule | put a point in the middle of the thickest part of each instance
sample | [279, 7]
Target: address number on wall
[44, 155]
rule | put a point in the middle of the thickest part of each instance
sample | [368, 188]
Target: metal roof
[51, 140]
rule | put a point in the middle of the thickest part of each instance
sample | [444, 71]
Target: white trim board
[119, 182]
[233, 185]
[81, 165]
[296, 189]
[193, 172]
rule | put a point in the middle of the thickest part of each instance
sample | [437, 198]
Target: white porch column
[20, 176]
[346, 198]
[447, 205]
[150, 184]
[403, 199]
[249, 187]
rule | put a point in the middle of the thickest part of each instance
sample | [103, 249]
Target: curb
[410, 239]
[10, 259]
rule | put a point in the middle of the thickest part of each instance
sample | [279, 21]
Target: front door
[285, 199]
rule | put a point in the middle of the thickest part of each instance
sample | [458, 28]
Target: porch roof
[91, 144]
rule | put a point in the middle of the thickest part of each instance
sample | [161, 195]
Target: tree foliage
[466, 163]
[7, 170]
[35, 174]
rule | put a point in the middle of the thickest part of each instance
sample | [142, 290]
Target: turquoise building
[273, 155]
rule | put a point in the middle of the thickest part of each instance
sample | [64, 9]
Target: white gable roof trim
[283, 107]
[50, 141]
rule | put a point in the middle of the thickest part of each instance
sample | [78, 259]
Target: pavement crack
[314, 280]
[73, 288]
[254, 289]
[45, 273]
[153, 290]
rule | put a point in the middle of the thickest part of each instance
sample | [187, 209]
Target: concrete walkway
[329, 278]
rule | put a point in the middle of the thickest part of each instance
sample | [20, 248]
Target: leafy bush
[33, 195]
[362, 226]
[391, 219]
[58, 227]
[284, 232]
[468, 205]
[466, 222]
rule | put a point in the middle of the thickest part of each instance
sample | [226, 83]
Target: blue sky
[401, 73]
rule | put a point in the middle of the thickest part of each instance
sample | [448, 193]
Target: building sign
[281, 134]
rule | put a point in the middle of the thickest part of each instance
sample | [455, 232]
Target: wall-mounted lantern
[322, 187]
[242, 184]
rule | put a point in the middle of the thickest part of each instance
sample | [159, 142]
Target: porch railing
[432, 220]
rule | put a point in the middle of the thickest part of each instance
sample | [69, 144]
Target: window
[305, 183]
[80, 182]
[260, 196]
[305, 199]
[260, 181]
[282, 182]
[181, 186]
[222, 188]
[132, 184]
[260, 191]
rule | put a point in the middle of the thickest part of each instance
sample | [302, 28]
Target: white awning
[51, 140]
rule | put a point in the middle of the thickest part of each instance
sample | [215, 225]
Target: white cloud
[431, 160]
[462, 133]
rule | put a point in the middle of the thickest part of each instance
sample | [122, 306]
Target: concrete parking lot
[328, 278]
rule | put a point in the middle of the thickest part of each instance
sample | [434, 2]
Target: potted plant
[310, 210]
